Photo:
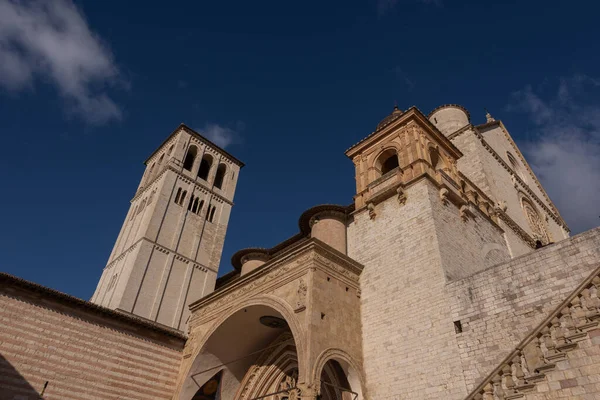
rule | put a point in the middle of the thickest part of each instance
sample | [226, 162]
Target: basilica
[449, 275]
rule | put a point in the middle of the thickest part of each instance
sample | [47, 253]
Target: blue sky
[89, 89]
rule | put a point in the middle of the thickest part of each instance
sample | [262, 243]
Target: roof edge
[197, 136]
[64, 298]
[453, 106]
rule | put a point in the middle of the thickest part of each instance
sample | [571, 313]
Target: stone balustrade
[549, 343]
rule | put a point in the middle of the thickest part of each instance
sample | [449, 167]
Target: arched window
[208, 211]
[200, 208]
[177, 196]
[182, 199]
[191, 202]
[212, 213]
[387, 161]
[170, 151]
[188, 163]
[221, 175]
[205, 165]
[195, 206]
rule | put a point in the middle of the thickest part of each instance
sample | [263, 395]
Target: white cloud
[220, 135]
[50, 40]
[565, 151]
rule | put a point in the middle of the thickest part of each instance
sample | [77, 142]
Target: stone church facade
[450, 276]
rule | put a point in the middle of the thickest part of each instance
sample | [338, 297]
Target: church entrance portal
[253, 355]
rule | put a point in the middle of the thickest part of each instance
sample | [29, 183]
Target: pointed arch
[212, 213]
[190, 157]
[200, 207]
[195, 206]
[190, 202]
[177, 196]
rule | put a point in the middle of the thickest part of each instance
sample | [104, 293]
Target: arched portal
[340, 376]
[253, 352]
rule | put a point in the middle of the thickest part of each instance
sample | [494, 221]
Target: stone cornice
[163, 249]
[531, 173]
[450, 106]
[414, 114]
[11, 284]
[460, 131]
[198, 136]
[173, 166]
[453, 195]
[520, 232]
[287, 266]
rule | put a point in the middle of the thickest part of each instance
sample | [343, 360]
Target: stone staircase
[559, 359]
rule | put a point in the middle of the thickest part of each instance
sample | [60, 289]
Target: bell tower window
[388, 161]
[188, 163]
[205, 165]
[220, 176]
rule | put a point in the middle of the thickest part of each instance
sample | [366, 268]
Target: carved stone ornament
[466, 213]
[401, 195]
[190, 345]
[444, 196]
[301, 302]
[371, 208]
[502, 205]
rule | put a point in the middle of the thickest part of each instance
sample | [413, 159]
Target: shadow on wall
[13, 386]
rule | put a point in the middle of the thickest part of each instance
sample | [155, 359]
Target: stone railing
[547, 344]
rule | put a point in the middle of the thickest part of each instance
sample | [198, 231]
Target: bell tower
[168, 251]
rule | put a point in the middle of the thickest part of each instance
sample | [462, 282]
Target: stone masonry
[82, 350]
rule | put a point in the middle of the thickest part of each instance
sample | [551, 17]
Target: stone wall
[82, 350]
[498, 307]
[482, 167]
[409, 344]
